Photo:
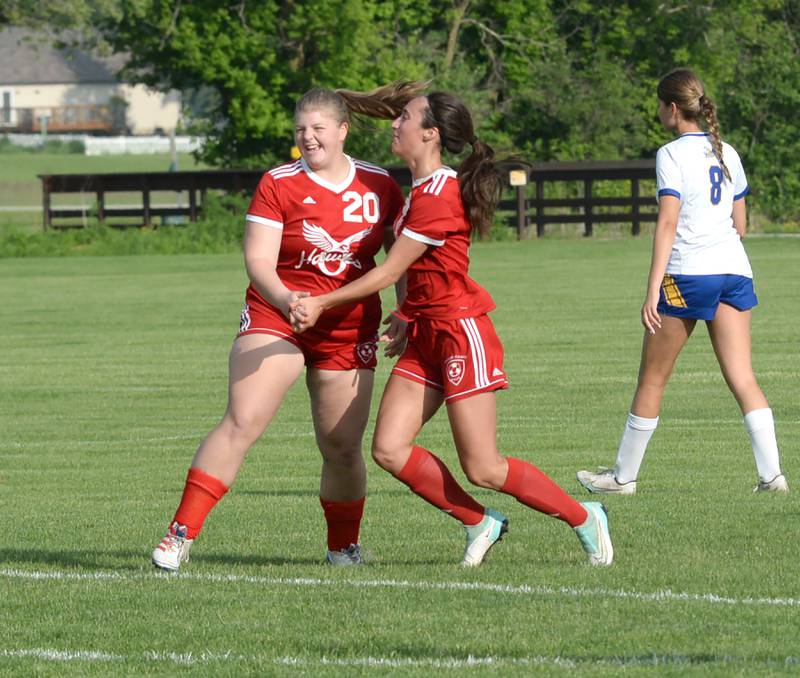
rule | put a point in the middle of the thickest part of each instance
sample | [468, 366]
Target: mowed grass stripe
[113, 369]
[438, 663]
[510, 589]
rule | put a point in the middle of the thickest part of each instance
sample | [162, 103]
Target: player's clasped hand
[304, 313]
[650, 317]
[292, 297]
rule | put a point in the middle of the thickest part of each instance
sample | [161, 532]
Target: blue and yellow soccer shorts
[697, 296]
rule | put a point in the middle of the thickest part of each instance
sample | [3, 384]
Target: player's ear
[430, 134]
[344, 128]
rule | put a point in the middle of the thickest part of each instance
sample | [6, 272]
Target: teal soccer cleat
[484, 535]
[594, 534]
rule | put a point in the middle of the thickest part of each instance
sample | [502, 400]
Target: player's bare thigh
[730, 336]
[405, 407]
[659, 353]
[474, 424]
[340, 402]
[261, 369]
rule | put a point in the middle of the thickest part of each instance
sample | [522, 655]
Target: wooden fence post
[46, 183]
[587, 207]
[146, 202]
[539, 208]
[635, 207]
[522, 217]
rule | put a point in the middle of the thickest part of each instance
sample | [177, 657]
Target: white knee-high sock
[637, 433]
[761, 428]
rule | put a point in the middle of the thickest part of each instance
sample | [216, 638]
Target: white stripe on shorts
[478, 353]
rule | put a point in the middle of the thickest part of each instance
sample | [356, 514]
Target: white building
[68, 90]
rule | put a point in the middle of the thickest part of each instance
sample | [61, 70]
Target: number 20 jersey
[330, 232]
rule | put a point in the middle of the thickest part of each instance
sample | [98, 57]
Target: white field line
[665, 595]
[468, 661]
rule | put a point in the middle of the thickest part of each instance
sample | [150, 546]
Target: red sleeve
[430, 219]
[265, 207]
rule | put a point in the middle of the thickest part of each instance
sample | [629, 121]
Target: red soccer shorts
[458, 357]
[325, 348]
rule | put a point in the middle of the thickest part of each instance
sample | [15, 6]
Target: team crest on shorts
[366, 351]
[244, 319]
[454, 368]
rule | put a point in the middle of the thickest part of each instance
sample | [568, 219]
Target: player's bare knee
[242, 428]
[342, 454]
[383, 454]
[484, 475]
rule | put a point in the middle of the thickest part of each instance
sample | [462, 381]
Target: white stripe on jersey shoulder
[287, 170]
[263, 220]
[421, 238]
[368, 167]
[437, 180]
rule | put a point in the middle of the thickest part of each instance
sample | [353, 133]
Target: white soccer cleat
[594, 534]
[484, 535]
[173, 549]
[605, 482]
[346, 557]
[777, 484]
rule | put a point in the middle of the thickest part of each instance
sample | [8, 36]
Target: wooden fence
[539, 210]
[528, 210]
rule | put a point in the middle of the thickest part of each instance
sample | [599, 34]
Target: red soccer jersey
[438, 283]
[331, 233]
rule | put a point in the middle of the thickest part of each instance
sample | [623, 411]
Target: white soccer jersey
[706, 242]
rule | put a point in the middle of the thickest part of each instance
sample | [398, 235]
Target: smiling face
[408, 135]
[320, 137]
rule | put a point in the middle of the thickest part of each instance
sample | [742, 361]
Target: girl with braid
[453, 355]
[699, 271]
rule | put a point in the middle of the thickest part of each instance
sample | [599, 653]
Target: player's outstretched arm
[305, 312]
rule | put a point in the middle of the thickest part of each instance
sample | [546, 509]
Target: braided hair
[683, 88]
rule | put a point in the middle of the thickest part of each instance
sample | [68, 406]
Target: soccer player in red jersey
[313, 225]
[453, 355]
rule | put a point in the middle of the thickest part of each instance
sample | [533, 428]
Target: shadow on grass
[133, 560]
[90, 560]
[255, 560]
[315, 493]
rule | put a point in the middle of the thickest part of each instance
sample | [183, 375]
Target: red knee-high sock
[426, 475]
[529, 486]
[200, 494]
[344, 522]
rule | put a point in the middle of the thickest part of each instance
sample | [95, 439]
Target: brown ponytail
[478, 177]
[683, 88]
[385, 102]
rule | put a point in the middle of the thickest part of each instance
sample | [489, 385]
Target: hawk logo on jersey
[454, 367]
[366, 351]
[328, 249]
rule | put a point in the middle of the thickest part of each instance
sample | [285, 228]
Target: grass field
[114, 369]
[20, 187]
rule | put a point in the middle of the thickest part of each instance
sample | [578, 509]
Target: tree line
[546, 79]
